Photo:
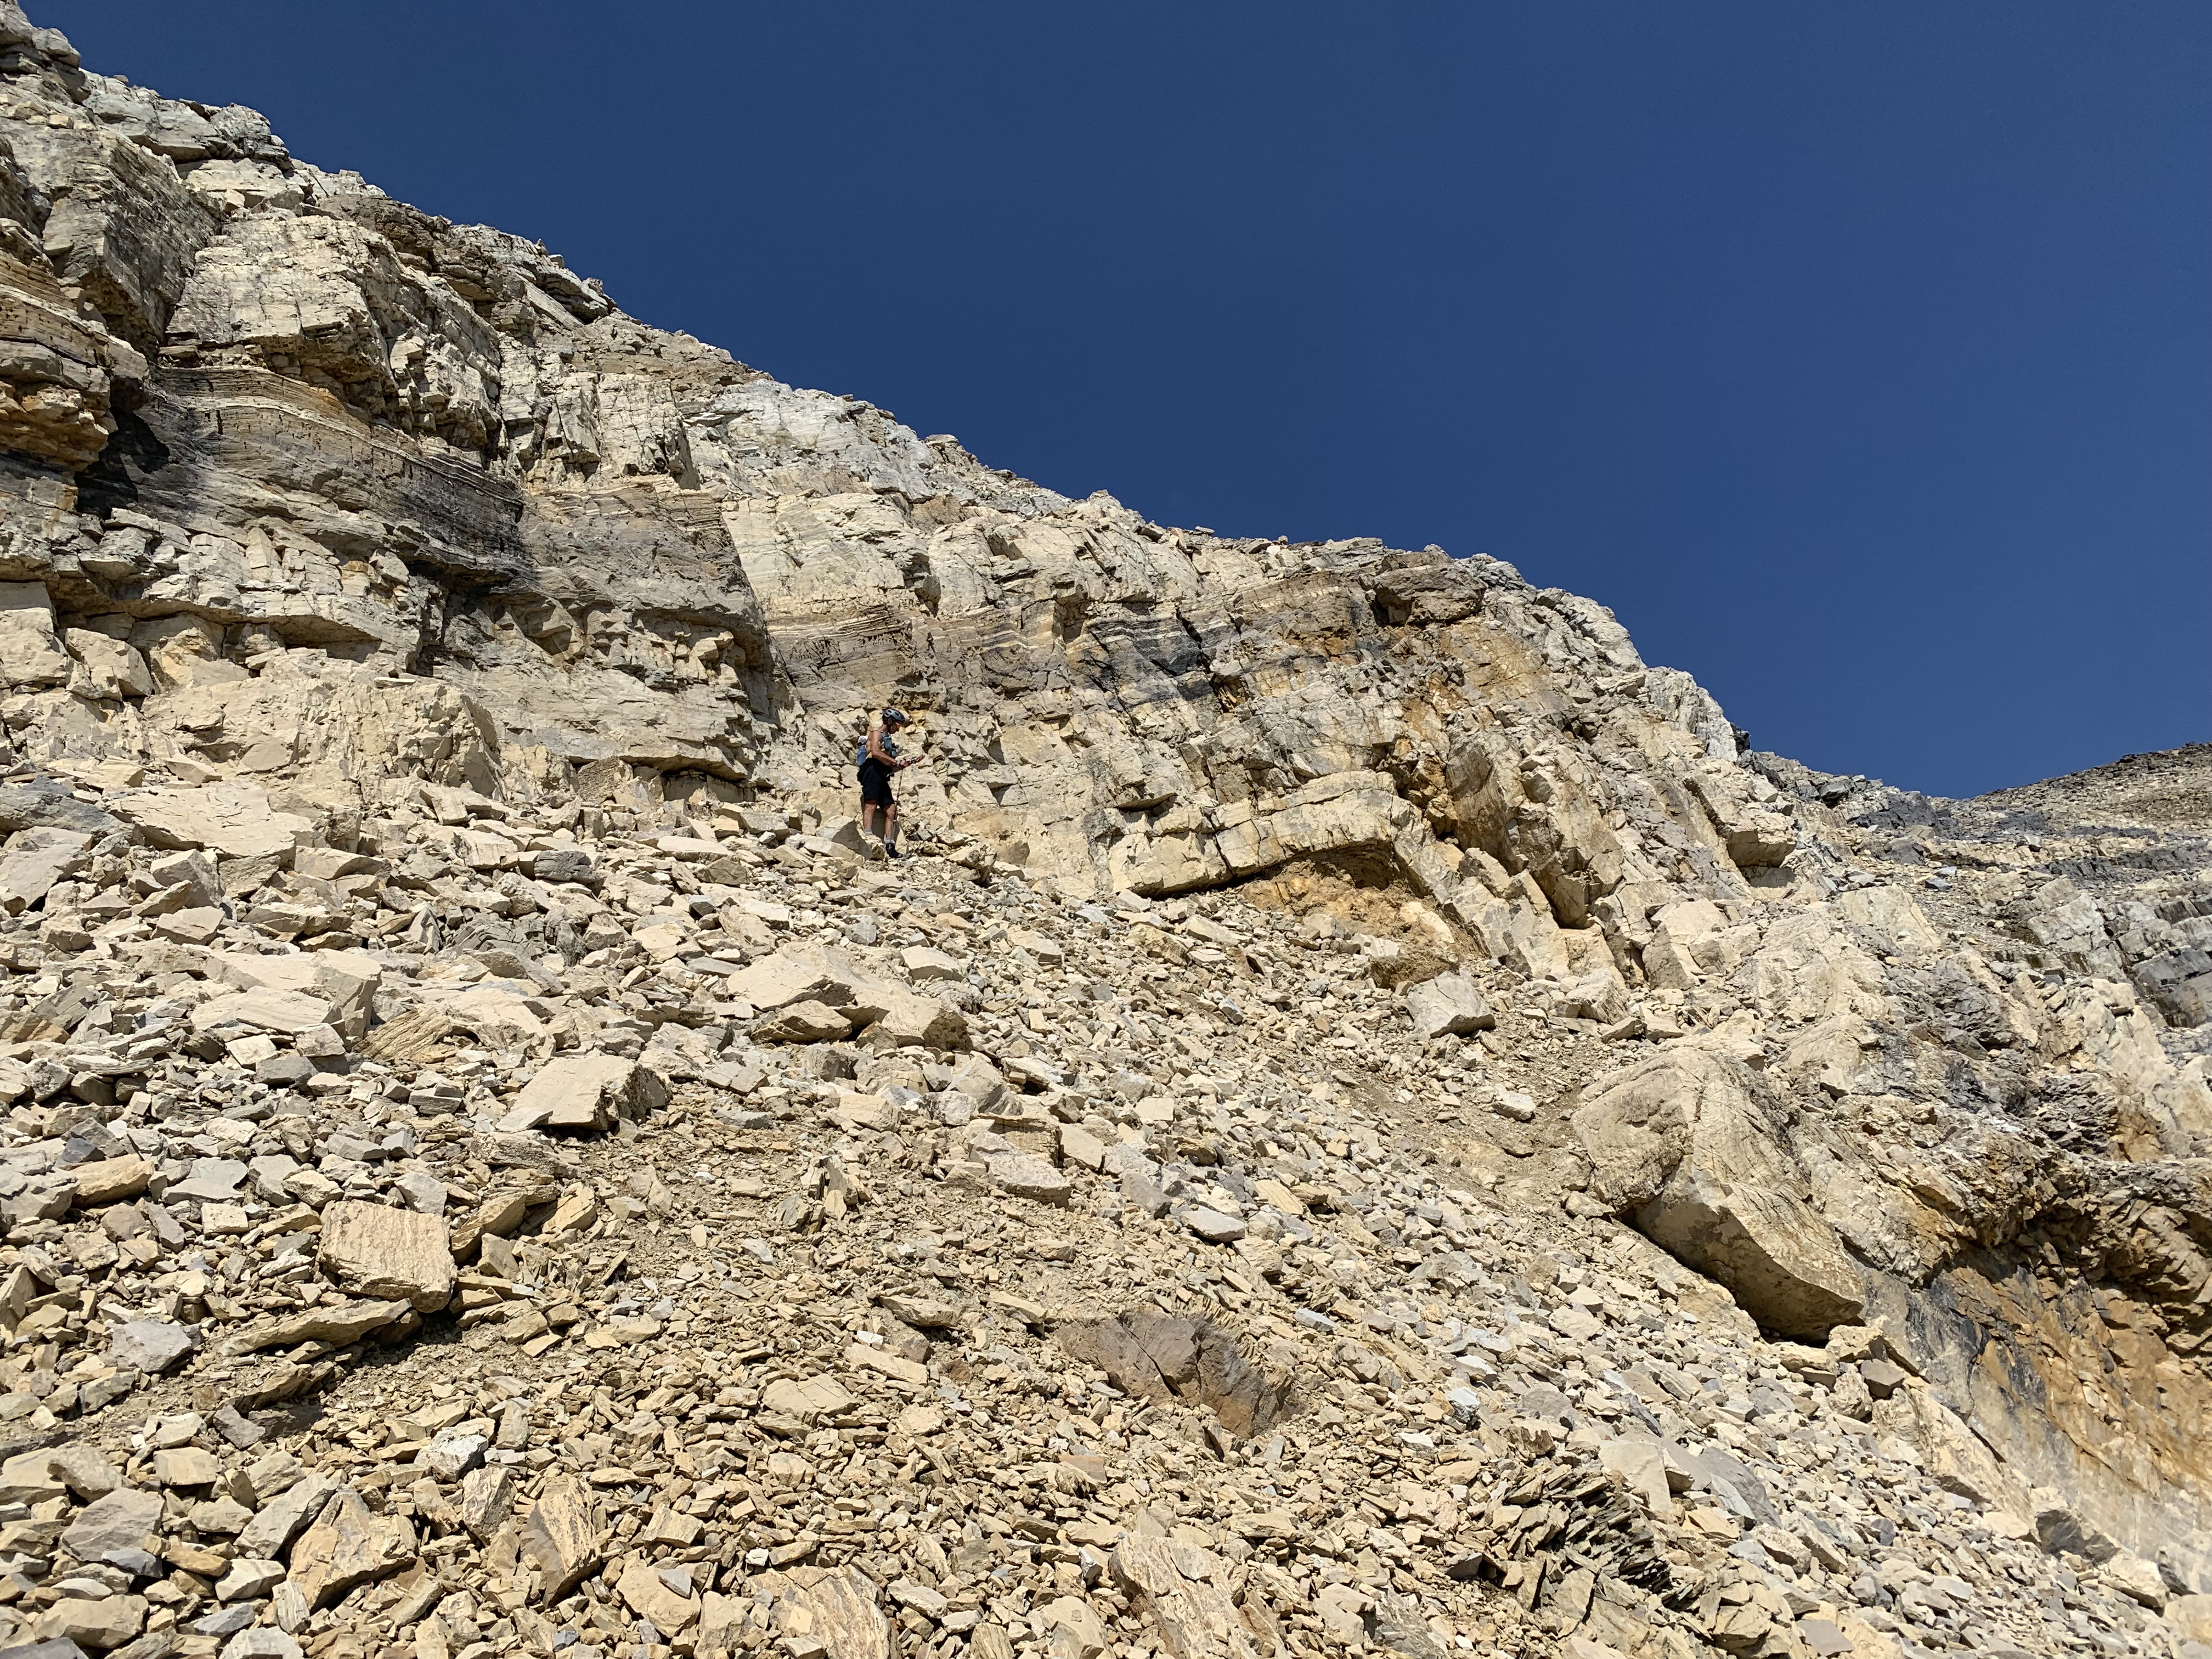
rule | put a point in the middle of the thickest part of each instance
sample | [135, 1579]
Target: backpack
[860, 754]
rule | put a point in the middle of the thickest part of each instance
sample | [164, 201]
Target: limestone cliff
[305, 488]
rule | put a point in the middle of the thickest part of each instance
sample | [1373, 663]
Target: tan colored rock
[288, 1011]
[585, 1091]
[649, 1596]
[1184, 1590]
[31, 654]
[109, 1181]
[347, 981]
[232, 819]
[338, 1324]
[1448, 1004]
[109, 1622]
[33, 859]
[107, 669]
[1024, 1175]
[813, 1397]
[909, 1019]
[833, 1607]
[798, 975]
[348, 1544]
[565, 1535]
[1685, 1144]
[803, 1022]
[374, 1251]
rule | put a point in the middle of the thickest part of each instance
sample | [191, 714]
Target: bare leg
[891, 829]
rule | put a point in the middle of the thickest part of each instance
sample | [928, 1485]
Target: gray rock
[1212, 1226]
[283, 1517]
[49, 806]
[122, 1520]
[1447, 1004]
[150, 1345]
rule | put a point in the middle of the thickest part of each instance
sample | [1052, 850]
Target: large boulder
[1690, 1147]
[233, 820]
[376, 1251]
[1448, 1004]
[585, 1091]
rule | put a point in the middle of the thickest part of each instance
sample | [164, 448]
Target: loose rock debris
[1372, 1121]
[732, 1343]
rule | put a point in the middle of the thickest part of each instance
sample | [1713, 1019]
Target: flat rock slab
[1027, 1176]
[338, 1324]
[585, 1091]
[349, 1544]
[1448, 1005]
[110, 1180]
[838, 1607]
[650, 1596]
[152, 1345]
[565, 1535]
[815, 1396]
[232, 819]
[120, 1521]
[289, 1012]
[803, 1022]
[387, 1253]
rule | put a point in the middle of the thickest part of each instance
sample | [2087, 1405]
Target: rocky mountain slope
[1371, 1122]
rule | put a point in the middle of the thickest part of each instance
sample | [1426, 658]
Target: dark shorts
[875, 784]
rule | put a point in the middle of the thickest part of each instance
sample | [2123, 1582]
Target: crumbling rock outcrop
[1370, 1118]
[1688, 1146]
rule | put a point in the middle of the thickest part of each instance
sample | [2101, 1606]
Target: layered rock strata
[1411, 1132]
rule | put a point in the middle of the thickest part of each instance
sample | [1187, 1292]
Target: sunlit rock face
[318, 501]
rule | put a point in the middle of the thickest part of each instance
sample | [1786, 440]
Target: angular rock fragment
[378, 1252]
[564, 1534]
[348, 1544]
[122, 1520]
[585, 1091]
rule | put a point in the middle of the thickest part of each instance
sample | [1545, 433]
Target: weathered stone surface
[121, 1520]
[1686, 1145]
[280, 1518]
[811, 1397]
[1448, 1005]
[464, 677]
[803, 1022]
[486, 1496]
[565, 1535]
[33, 860]
[107, 1181]
[585, 1092]
[378, 1252]
[836, 1607]
[348, 1544]
[345, 981]
[108, 1622]
[1026, 1176]
[152, 1345]
[648, 1595]
[338, 1324]
[1185, 1591]
[290, 1012]
[232, 819]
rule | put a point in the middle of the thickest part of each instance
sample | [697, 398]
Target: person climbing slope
[879, 758]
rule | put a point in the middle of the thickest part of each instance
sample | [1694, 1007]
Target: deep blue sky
[1859, 355]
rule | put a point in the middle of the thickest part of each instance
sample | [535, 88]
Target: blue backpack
[860, 754]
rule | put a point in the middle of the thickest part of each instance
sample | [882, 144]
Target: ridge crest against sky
[1861, 360]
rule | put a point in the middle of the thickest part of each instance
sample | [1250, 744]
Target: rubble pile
[1367, 1118]
[1085, 1311]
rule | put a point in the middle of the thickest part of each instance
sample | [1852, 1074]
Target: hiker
[879, 758]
